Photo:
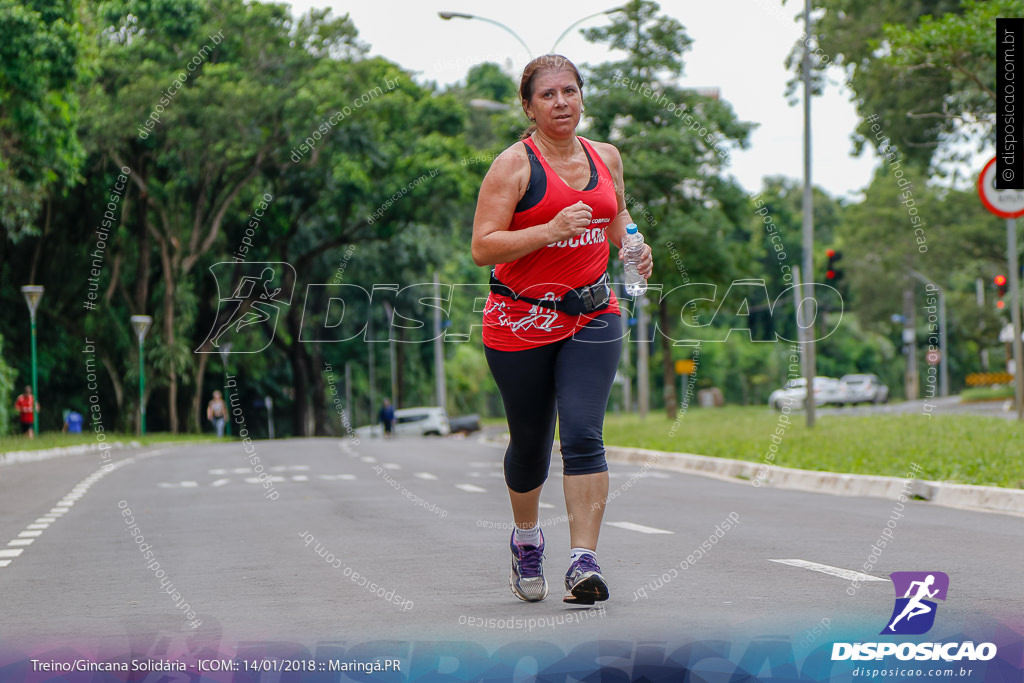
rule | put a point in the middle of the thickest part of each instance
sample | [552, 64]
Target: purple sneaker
[527, 576]
[584, 584]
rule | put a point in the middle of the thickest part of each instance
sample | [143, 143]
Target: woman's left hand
[646, 265]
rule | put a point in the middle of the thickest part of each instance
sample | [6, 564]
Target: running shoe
[584, 584]
[527, 576]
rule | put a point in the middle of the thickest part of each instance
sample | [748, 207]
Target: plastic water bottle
[633, 248]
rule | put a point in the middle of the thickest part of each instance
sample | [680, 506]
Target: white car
[864, 389]
[423, 421]
[827, 390]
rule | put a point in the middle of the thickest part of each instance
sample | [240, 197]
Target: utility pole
[810, 361]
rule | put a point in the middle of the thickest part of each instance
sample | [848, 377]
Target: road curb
[987, 498]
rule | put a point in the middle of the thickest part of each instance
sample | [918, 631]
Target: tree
[960, 44]
[40, 67]
[675, 146]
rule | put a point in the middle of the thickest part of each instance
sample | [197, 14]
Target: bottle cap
[631, 229]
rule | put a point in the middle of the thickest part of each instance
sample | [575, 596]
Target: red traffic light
[830, 275]
[830, 253]
[1000, 280]
[1000, 304]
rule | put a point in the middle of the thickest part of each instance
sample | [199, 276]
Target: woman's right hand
[570, 222]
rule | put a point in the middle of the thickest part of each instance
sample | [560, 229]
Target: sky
[739, 47]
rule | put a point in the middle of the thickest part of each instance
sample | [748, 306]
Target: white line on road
[848, 574]
[220, 482]
[392, 466]
[4, 563]
[469, 488]
[348, 477]
[21, 541]
[300, 477]
[34, 533]
[11, 553]
[41, 525]
[426, 475]
[546, 505]
[630, 526]
[257, 480]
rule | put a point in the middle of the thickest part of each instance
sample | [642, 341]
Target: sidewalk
[986, 498]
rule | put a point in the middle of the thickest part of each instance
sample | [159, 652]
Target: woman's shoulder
[609, 153]
[512, 156]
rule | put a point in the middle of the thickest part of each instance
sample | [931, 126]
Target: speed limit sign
[1003, 203]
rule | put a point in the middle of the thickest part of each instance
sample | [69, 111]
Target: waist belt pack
[574, 302]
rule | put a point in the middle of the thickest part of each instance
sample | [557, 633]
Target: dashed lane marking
[640, 528]
[847, 574]
[469, 488]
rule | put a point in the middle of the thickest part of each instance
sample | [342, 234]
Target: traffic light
[1000, 281]
[832, 274]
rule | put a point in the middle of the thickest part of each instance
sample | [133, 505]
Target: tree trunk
[196, 425]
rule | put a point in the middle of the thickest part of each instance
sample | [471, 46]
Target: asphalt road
[425, 521]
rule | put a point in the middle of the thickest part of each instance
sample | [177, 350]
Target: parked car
[864, 389]
[422, 421]
[827, 391]
[466, 424]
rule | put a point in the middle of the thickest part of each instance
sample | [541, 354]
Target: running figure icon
[916, 604]
[915, 607]
[251, 303]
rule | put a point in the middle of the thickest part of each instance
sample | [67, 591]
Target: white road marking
[426, 475]
[847, 574]
[392, 466]
[257, 480]
[300, 477]
[38, 526]
[4, 563]
[469, 488]
[21, 541]
[220, 482]
[217, 471]
[34, 533]
[368, 458]
[11, 553]
[347, 477]
[546, 505]
[630, 526]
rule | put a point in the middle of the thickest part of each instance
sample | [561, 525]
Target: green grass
[57, 440]
[986, 393]
[955, 448]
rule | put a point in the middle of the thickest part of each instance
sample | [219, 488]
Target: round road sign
[1003, 203]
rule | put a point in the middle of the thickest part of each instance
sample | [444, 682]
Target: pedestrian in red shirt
[547, 210]
[27, 408]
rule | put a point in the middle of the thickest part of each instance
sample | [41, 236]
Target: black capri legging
[571, 378]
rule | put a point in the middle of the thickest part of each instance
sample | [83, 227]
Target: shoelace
[586, 563]
[529, 561]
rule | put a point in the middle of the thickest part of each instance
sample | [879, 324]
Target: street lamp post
[141, 324]
[33, 293]
[448, 16]
[225, 351]
[580, 21]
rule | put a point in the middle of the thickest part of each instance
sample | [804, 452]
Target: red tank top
[550, 272]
